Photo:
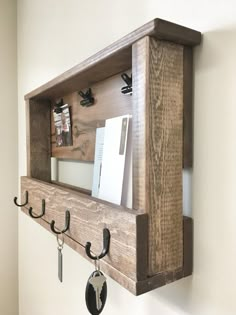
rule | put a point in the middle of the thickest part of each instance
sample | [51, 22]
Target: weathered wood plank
[109, 102]
[88, 218]
[143, 283]
[140, 70]
[113, 59]
[188, 108]
[188, 246]
[164, 163]
[157, 154]
[158, 280]
[115, 274]
[38, 139]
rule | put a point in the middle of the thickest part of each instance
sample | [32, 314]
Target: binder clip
[128, 80]
[58, 105]
[88, 98]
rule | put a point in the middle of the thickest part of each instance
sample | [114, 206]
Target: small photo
[63, 128]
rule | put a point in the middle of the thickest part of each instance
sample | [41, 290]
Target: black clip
[106, 246]
[35, 216]
[67, 224]
[128, 80]
[88, 98]
[26, 200]
[58, 105]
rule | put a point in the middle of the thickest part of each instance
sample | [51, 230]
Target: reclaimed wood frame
[151, 244]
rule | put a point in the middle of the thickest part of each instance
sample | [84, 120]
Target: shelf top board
[113, 59]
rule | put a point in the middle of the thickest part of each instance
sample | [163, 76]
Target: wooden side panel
[109, 103]
[158, 138]
[88, 218]
[188, 108]
[164, 156]
[163, 278]
[188, 246]
[38, 139]
[140, 71]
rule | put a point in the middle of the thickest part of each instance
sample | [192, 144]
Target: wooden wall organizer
[151, 244]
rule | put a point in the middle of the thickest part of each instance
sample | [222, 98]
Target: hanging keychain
[96, 290]
[60, 243]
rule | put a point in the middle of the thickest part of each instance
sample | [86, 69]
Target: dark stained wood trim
[113, 59]
[178, 34]
[188, 246]
[38, 139]
[142, 247]
[188, 108]
[158, 281]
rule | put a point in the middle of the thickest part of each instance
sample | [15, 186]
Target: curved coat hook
[67, 224]
[35, 216]
[106, 245]
[26, 200]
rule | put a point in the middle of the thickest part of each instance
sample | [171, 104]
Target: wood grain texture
[157, 154]
[158, 280]
[151, 245]
[119, 266]
[188, 246]
[164, 156]
[88, 218]
[188, 108]
[140, 71]
[109, 103]
[113, 59]
[175, 33]
[38, 139]
[115, 274]
[162, 278]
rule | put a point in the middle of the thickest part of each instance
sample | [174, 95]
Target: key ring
[60, 242]
[97, 264]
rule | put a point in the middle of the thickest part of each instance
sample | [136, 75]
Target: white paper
[98, 161]
[127, 190]
[113, 162]
[54, 169]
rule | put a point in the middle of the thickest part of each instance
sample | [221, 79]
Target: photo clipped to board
[62, 121]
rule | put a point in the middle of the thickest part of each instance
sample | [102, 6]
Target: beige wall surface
[8, 159]
[56, 35]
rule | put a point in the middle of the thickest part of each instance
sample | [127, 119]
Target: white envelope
[113, 161]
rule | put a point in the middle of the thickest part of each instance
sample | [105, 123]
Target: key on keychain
[60, 258]
[97, 281]
[96, 291]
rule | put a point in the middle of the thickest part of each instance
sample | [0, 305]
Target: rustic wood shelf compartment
[151, 244]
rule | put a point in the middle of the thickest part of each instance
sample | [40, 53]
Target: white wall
[8, 160]
[54, 36]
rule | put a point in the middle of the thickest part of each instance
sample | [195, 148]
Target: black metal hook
[106, 246]
[128, 80]
[88, 98]
[67, 224]
[34, 216]
[58, 105]
[26, 200]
